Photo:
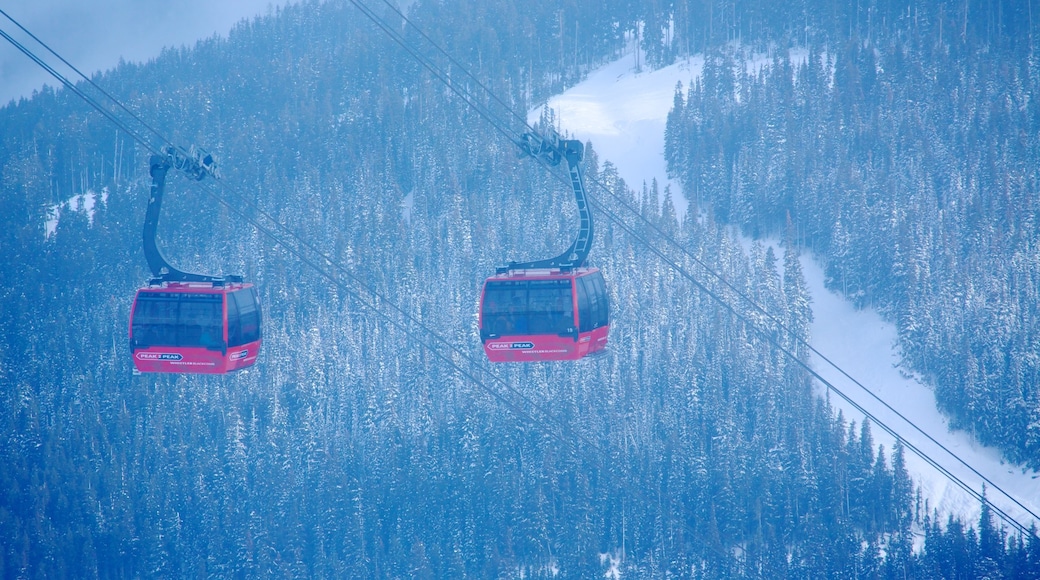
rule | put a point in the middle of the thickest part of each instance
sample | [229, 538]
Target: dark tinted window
[604, 299]
[249, 316]
[599, 307]
[585, 318]
[501, 297]
[201, 320]
[505, 307]
[550, 309]
[155, 320]
[179, 319]
[594, 299]
[234, 321]
[528, 307]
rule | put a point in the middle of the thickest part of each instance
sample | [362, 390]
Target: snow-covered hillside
[623, 113]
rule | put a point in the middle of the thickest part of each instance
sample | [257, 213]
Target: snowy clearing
[83, 202]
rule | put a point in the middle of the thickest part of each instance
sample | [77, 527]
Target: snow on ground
[623, 113]
[869, 354]
[83, 202]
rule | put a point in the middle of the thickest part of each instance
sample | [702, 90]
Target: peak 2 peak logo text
[159, 356]
[525, 345]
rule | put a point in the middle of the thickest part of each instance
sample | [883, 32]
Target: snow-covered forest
[694, 448]
[911, 170]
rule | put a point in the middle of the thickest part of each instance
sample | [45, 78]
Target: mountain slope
[625, 114]
[351, 449]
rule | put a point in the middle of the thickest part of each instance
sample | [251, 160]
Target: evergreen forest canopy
[693, 449]
[909, 164]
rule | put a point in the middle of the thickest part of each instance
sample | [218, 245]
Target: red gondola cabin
[195, 327]
[544, 314]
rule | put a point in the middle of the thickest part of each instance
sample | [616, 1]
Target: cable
[562, 426]
[801, 341]
[565, 429]
[614, 218]
[513, 407]
[465, 95]
[77, 71]
[780, 325]
[470, 99]
[772, 339]
[458, 65]
[89, 100]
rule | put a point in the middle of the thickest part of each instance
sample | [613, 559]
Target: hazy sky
[94, 35]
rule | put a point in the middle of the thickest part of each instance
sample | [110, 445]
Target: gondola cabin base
[195, 327]
[544, 315]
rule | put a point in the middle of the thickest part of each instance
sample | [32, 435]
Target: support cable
[470, 99]
[442, 76]
[780, 325]
[772, 339]
[77, 71]
[560, 429]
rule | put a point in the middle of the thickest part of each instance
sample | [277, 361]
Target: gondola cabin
[544, 315]
[195, 327]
